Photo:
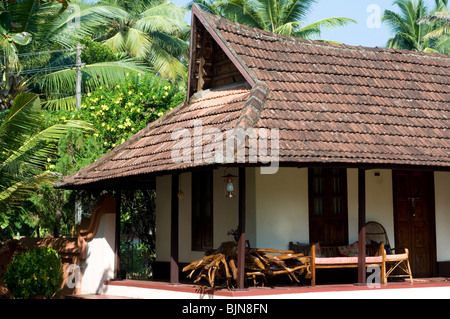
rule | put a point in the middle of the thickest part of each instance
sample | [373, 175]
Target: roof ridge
[253, 106]
[271, 36]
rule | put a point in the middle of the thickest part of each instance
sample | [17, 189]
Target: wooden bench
[330, 258]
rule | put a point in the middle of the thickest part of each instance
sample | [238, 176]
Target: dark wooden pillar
[241, 241]
[361, 226]
[174, 222]
[118, 199]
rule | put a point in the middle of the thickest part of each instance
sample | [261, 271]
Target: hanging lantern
[229, 185]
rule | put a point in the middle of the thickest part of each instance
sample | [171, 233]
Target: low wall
[91, 255]
[68, 249]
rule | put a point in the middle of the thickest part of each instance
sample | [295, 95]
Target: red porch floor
[273, 291]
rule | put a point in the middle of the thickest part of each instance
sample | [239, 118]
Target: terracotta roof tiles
[330, 103]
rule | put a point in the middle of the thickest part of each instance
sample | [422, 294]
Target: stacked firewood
[220, 270]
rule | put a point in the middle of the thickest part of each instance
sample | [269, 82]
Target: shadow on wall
[98, 235]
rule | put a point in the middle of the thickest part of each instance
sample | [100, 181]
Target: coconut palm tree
[150, 30]
[441, 17]
[409, 34]
[47, 63]
[286, 17]
[25, 149]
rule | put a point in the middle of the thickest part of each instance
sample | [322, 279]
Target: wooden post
[241, 241]
[174, 222]
[118, 198]
[361, 226]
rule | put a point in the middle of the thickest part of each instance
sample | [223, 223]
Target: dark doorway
[414, 219]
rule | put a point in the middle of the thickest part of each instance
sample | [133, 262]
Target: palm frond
[174, 45]
[14, 195]
[137, 43]
[315, 29]
[25, 148]
[437, 33]
[59, 102]
[37, 148]
[442, 17]
[55, 82]
[165, 64]
[22, 119]
[166, 17]
[93, 75]
[109, 72]
[116, 43]
[413, 28]
[287, 29]
[84, 20]
[242, 11]
[293, 10]
[442, 45]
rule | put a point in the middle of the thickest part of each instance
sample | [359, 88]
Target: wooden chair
[375, 233]
[400, 262]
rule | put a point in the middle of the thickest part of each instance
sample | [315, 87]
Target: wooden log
[219, 269]
[270, 250]
[233, 268]
[257, 262]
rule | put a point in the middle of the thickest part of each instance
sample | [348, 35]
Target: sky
[368, 31]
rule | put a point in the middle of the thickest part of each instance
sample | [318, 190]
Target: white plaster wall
[225, 216]
[277, 209]
[442, 208]
[281, 202]
[99, 263]
[379, 201]
[287, 192]
[226, 210]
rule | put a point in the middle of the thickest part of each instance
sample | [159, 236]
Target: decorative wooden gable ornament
[213, 64]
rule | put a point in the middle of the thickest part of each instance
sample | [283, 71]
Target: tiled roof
[338, 103]
[150, 150]
[330, 103]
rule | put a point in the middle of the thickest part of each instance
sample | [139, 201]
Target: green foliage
[54, 208]
[121, 110]
[95, 52]
[282, 17]
[37, 272]
[25, 149]
[138, 218]
[414, 29]
[116, 112]
[43, 64]
[135, 260]
[151, 31]
[16, 223]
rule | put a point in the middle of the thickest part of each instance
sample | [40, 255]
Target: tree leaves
[25, 149]
[141, 31]
[414, 29]
[284, 17]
